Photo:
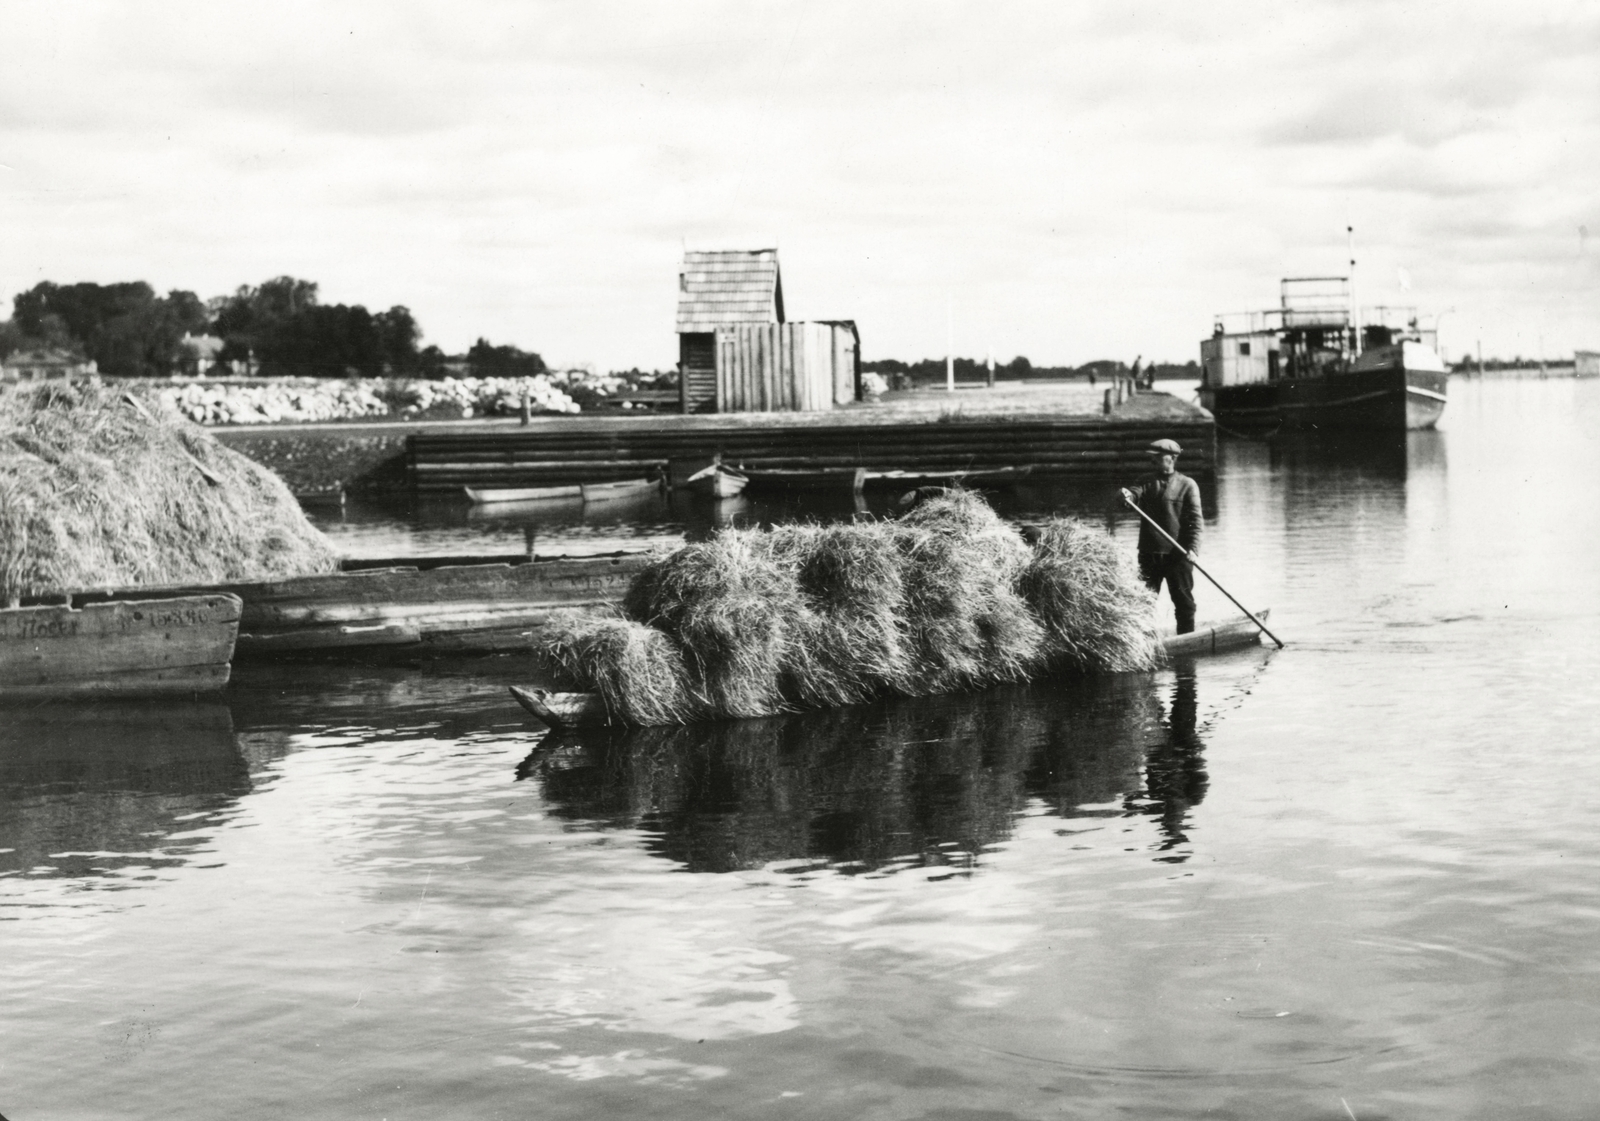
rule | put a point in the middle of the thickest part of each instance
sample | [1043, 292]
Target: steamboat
[1311, 363]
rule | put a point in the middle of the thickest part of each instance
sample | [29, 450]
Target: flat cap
[1164, 447]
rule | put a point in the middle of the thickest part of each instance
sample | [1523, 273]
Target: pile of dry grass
[103, 485]
[949, 597]
[967, 626]
[1097, 613]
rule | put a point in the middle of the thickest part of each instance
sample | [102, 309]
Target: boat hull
[845, 480]
[717, 481]
[376, 614]
[168, 646]
[1387, 394]
[584, 492]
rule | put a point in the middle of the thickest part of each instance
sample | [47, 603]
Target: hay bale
[850, 643]
[104, 485]
[728, 603]
[1098, 614]
[638, 670]
[965, 516]
[966, 625]
[947, 598]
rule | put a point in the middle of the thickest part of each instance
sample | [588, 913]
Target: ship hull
[1386, 393]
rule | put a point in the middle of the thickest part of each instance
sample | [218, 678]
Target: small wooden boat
[617, 491]
[416, 608]
[840, 480]
[583, 710]
[168, 646]
[984, 478]
[485, 495]
[584, 492]
[1216, 639]
[717, 481]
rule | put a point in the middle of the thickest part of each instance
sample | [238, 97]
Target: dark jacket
[1174, 504]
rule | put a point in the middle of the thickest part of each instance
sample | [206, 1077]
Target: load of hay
[104, 485]
[946, 598]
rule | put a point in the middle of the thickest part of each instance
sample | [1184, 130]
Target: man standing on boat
[1172, 500]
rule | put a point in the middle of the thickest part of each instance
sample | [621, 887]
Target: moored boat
[412, 610]
[1305, 365]
[718, 481]
[564, 710]
[583, 492]
[172, 645]
[842, 480]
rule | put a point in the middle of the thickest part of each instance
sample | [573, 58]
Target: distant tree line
[278, 328]
[1469, 364]
[930, 370]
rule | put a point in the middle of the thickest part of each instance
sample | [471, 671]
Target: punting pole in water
[1203, 572]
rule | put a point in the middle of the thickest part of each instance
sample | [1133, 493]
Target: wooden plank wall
[575, 448]
[697, 371]
[844, 366]
[783, 367]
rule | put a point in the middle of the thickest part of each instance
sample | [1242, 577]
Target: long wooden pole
[1134, 507]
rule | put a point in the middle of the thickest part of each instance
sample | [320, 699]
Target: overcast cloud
[1078, 181]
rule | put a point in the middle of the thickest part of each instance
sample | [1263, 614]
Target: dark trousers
[1176, 570]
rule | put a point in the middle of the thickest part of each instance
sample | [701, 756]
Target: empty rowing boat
[718, 481]
[844, 480]
[419, 608]
[171, 646]
[581, 710]
[582, 492]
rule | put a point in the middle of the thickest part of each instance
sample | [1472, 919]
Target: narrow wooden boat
[484, 495]
[164, 646]
[559, 710]
[1216, 639]
[717, 481]
[584, 492]
[419, 609]
[986, 478]
[622, 489]
[843, 480]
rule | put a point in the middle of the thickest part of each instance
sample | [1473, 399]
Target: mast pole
[1355, 305]
[949, 344]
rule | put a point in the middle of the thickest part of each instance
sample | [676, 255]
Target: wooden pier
[587, 449]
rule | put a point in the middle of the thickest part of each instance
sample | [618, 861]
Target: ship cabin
[1307, 334]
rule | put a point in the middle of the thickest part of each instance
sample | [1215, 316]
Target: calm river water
[1359, 877]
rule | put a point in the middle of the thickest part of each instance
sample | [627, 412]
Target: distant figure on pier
[1172, 500]
[1137, 375]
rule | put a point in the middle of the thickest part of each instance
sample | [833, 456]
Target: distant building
[200, 353]
[1586, 364]
[43, 363]
[736, 353]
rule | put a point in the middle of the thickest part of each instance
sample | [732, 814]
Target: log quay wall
[442, 457]
[576, 450]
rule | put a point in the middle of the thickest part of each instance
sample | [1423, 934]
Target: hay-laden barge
[947, 598]
[101, 485]
[139, 556]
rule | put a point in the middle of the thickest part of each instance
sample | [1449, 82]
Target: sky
[1065, 181]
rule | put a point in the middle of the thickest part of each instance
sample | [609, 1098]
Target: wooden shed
[737, 354]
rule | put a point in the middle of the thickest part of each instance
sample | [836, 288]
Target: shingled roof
[719, 287]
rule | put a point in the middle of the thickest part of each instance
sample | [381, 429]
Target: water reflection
[86, 789]
[930, 783]
[1175, 770]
